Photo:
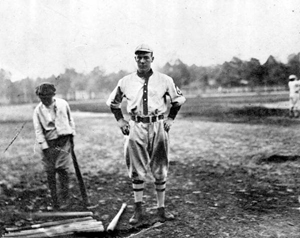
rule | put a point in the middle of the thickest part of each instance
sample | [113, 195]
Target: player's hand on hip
[168, 123]
[124, 126]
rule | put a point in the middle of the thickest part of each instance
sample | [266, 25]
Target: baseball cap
[292, 77]
[144, 48]
[45, 89]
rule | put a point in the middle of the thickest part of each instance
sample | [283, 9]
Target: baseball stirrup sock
[160, 187]
[138, 189]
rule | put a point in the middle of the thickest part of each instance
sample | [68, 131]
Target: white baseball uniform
[294, 87]
[148, 142]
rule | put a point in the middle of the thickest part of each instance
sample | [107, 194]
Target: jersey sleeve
[115, 98]
[174, 92]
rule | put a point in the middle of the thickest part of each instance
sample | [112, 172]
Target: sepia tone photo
[150, 119]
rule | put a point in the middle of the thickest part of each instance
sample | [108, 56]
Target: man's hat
[292, 77]
[45, 89]
[143, 48]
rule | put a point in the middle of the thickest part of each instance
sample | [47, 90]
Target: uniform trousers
[294, 100]
[147, 146]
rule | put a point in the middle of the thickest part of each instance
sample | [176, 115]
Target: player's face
[46, 100]
[144, 60]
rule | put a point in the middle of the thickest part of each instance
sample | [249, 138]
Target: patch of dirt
[208, 200]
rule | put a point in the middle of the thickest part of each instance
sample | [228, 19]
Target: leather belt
[147, 119]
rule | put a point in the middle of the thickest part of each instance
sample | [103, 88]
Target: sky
[41, 38]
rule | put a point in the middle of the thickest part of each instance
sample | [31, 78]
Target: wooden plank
[65, 229]
[47, 224]
[60, 214]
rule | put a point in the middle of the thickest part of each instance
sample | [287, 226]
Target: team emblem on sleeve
[178, 91]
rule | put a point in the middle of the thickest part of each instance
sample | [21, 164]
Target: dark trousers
[57, 163]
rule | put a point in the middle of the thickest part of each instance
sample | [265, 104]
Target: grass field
[234, 169]
[197, 105]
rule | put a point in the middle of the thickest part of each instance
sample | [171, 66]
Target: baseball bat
[112, 225]
[79, 176]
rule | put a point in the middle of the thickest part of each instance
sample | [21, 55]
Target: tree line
[234, 73]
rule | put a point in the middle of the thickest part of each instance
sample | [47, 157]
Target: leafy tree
[178, 71]
[63, 82]
[234, 73]
[110, 81]
[199, 77]
[275, 73]
[253, 72]
[22, 91]
[94, 82]
[229, 76]
[294, 64]
[6, 86]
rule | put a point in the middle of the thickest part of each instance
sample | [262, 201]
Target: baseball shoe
[163, 215]
[138, 214]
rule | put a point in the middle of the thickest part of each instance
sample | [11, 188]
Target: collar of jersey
[145, 75]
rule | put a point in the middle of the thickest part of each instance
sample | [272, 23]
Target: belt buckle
[154, 118]
[135, 118]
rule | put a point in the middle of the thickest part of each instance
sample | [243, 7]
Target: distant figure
[294, 87]
[147, 133]
[54, 130]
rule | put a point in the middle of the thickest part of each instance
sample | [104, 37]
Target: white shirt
[131, 87]
[294, 87]
[51, 122]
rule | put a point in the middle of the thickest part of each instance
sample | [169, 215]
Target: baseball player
[294, 87]
[146, 134]
[54, 130]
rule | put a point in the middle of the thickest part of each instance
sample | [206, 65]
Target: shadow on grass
[277, 159]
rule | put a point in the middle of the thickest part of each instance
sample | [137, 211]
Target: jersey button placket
[145, 97]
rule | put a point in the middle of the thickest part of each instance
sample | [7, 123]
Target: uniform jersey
[294, 87]
[141, 93]
[147, 144]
